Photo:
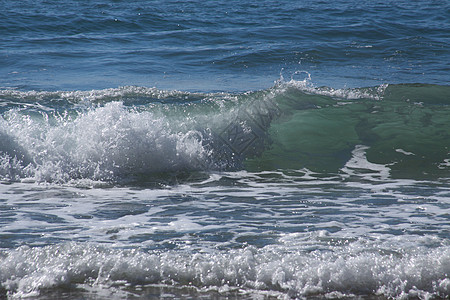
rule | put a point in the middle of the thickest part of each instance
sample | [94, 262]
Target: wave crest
[131, 132]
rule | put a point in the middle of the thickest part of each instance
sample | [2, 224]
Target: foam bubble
[101, 143]
[357, 268]
[358, 165]
[99, 138]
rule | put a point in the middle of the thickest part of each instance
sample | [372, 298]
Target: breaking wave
[131, 133]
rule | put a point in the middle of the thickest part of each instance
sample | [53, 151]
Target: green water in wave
[134, 131]
[406, 128]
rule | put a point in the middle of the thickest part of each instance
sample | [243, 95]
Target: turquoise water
[240, 149]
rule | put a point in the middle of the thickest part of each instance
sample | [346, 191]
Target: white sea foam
[286, 234]
[99, 144]
[360, 267]
[307, 85]
[359, 162]
[102, 139]
[77, 96]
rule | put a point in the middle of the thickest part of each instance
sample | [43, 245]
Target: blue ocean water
[225, 149]
[221, 45]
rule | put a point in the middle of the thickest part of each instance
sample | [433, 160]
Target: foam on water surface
[290, 192]
[288, 234]
[317, 265]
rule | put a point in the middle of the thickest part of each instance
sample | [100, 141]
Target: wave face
[401, 127]
[131, 133]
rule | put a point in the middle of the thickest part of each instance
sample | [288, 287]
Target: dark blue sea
[225, 149]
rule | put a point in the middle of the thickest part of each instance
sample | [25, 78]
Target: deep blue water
[221, 45]
[225, 149]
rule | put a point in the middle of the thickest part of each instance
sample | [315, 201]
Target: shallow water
[229, 234]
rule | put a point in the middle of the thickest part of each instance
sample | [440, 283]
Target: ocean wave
[342, 268]
[129, 132]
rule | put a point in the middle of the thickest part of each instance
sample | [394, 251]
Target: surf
[133, 132]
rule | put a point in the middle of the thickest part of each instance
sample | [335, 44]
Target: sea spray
[110, 140]
[113, 134]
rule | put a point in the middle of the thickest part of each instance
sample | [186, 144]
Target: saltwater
[225, 149]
